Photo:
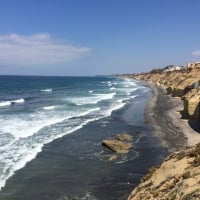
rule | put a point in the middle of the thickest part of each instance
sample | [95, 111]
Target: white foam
[88, 111]
[133, 96]
[128, 91]
[122, 100]
[107, 96]
[115, 106]
[33, 131]
[112, 88]
[20, 101]
[49, 107]
[5, 103]
[129, 81]
[90, 91]
[17, 156]
[22, 128]
[8, 103]
[26, 146]
[92, 99]
[47, 90]
[13, 165]
[22, 150]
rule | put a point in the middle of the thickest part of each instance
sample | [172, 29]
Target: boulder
[117, 146]
[124, 137]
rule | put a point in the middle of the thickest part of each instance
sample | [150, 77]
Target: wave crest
[96, 98]
[5, 103]
[8, 103]
[18, 101]
[47, 90]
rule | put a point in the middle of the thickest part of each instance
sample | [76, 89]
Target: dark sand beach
[163, 115]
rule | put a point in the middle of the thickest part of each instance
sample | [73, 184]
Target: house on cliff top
[172, 68]
[188, 66]
[192, 65]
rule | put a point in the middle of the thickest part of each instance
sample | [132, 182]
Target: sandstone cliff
[177, 178]
[191, 103]
[181, 83]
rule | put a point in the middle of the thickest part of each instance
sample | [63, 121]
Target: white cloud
[37, 49]
[196, 53]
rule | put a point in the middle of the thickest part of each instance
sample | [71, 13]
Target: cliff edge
[177, 178]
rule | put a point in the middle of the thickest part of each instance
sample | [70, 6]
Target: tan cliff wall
[192, 103]
[177, 178]
[181, 83]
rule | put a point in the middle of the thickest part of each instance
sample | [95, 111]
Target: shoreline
[162, 134]
[67, 161]
[158, 115]
[163, 114]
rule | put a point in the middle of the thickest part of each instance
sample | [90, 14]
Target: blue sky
[89, 37]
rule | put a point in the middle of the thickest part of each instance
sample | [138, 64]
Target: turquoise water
[37, 110]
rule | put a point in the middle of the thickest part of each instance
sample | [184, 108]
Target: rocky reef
[177, 178]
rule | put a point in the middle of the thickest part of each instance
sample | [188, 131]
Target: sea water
[37, 110]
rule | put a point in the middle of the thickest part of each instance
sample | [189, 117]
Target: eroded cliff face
[191, 103]
[177, 178]
[180, 83]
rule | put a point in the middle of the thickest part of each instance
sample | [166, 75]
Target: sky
[96, 37]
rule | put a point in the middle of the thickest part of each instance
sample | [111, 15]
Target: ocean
[51, 130]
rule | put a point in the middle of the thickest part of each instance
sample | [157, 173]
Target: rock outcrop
[117, 146]
[120, 144]
[124, 137]
[177, 178]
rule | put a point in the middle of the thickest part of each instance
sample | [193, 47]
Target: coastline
[61, 170]
[163, 114]
[158, 115]
[177, 177]
[158, 130]
[173, 113]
